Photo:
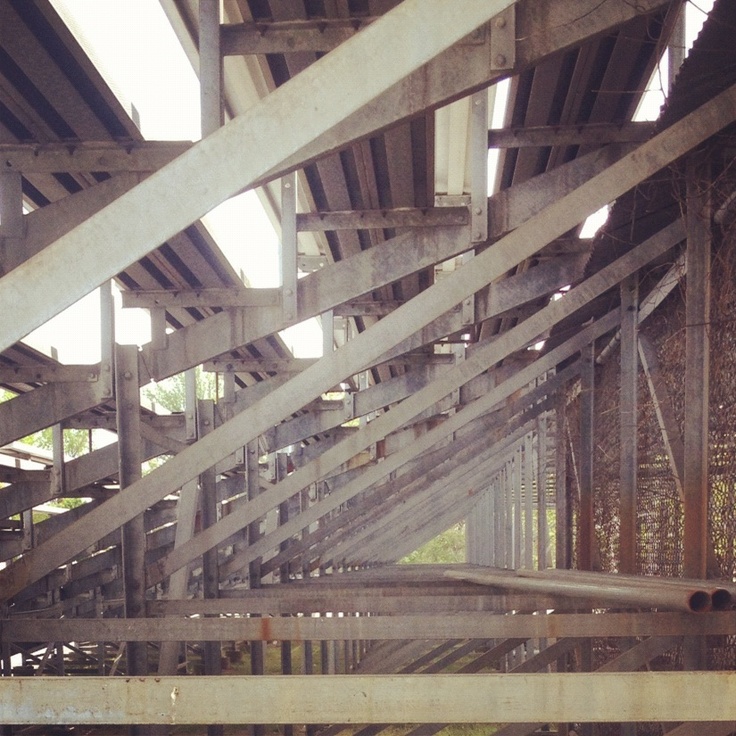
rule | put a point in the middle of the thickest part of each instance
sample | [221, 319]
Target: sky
[137, 52]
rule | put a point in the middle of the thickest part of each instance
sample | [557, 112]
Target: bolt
[500, 60]
[127, 374]
[478, 211]
[287, 185]
[478, 235]
[501, 22]
[206, 422]
[288, 292]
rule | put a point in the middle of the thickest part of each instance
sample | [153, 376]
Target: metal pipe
[722, 595]
[690, 600]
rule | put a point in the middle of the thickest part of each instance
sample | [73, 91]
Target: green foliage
[444, 548]
[170, 394]
[76, 441]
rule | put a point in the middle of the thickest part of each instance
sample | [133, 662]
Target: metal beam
[382, 265]
[239, 39]
[628, 424]
[479, 698]
[458, 626]
[133, 532]
[355, 355]
[109, 156]
[182, 298]
[592, 134]
[111, 240]
[697, 366]
[377, 429]
[383, 219]
[467, 67]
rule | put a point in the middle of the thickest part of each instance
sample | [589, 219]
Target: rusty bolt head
[500, 60]
[501, 22]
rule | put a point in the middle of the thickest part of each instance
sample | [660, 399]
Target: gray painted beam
[595, 134]
[462, 626]
[111, 240]
[109, 156]
[352, 357]
[479, 698]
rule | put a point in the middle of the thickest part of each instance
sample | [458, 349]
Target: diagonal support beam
[529, 237]
[480, 360]
[241, 152]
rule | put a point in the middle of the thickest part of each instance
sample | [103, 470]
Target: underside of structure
[235, 565]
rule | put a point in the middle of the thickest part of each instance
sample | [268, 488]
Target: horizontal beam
[47, 158]
[473, 698]
[383, 601]
[49, 373]
[570, 135]
[379, 219]
[240, 39]
[454, 626]
[169, 298]
[296, 365]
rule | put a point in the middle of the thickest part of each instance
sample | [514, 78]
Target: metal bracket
[503, 39]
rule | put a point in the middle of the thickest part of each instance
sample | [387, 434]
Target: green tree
[444, 548]
[170, 394]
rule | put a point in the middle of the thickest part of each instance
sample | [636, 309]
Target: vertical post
[628, 421]
[562, 531]
[107, 337]
[288, 247]
[697, 366]
[252, 480]
[210, 571]
[587, 428]
[516, 491]
[159, 338]
[210, 66]
[508, 515]
[190, 405]
[528, 503]
[479, 166]
[542, 531]
[186, 513]
[286, 660]
[676, 48]
[133, 532]
[12, 224]
[328, 332]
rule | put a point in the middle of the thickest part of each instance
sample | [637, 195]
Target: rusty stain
[266, 629]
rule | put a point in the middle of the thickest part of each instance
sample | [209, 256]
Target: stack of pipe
[607, 589]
